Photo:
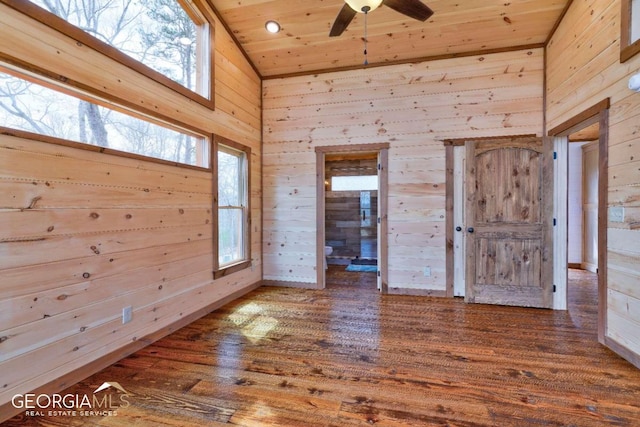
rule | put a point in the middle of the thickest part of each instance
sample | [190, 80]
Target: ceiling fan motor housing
[363, 6]
[412, 8]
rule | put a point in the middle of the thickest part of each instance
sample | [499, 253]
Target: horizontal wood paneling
[584, 68]
[29, 298]
[62, 294]
[412, 107]
[84, 234]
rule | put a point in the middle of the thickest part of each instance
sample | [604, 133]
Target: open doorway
[582, 199]
[351, 211]
[590, 125]
[582, 223]
[351, 197]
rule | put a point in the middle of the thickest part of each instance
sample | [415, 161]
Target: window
[354, 183]
[33, 108]
[365, 207]
[629, 29]
[170, 40]
[232, 208]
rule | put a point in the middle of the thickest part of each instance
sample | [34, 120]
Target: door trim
[382, 149]
[450, 225]
[561, 230]
[597, 113]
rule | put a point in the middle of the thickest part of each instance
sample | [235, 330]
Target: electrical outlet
[616, 214]
[427, 272]
[127, 314]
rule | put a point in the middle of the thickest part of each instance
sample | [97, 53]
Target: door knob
[470, 229]
[458, 228]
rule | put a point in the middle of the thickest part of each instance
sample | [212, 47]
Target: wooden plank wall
[84, 234]
[583, 69]
[343, 226]
[413, 107]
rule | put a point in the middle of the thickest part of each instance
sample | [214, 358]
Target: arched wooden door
[509, 217]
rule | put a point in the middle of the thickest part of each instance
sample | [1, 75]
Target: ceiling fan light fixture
[362, 6]
[272, 26]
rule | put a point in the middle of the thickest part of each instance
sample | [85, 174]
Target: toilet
[328, 250]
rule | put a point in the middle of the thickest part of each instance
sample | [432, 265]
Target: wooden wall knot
[32, 205]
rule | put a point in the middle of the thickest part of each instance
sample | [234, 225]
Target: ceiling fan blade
[412, 8]
[342, 21]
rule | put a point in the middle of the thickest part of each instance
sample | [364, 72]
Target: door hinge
[379, 220]
[379, 167]
[555, 155]
[378, 273]
[555, 222]
[554, 288]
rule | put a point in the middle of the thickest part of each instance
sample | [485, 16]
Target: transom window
[354, 183]
[33, 108]
[172, 37]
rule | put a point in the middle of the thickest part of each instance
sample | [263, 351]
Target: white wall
[574, 204]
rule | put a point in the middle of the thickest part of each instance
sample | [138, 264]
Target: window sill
[630, 51]
[229, 269]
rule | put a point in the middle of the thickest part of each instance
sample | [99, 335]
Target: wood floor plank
[348, 356]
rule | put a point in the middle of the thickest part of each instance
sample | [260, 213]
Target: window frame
[23, 134]
[628, 49]
[205, 139]
[221, 270]
[194, 8]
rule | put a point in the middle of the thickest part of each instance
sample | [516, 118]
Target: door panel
[508, 219]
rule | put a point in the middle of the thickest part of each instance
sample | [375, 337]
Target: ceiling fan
[412, 8]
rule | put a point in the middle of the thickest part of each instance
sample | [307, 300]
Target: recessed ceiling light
[272, 26]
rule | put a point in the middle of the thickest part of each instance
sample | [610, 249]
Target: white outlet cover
[127, 314]
[427, 272]
[616, 213]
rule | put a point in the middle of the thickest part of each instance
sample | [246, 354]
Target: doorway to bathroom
[351, 210]
[352, 206]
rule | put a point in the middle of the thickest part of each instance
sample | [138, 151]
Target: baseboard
[589, 267]
[287, 284]
[417, 292]
[575, 265]
[7, 410]
[623, 351]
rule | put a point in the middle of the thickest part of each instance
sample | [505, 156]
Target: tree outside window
[33, 108]
[158, 33]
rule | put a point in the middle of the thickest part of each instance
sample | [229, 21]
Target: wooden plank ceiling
[303, 45]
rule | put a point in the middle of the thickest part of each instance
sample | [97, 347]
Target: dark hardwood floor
[349, 356]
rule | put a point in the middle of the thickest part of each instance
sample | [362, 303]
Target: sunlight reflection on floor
[255, 326]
